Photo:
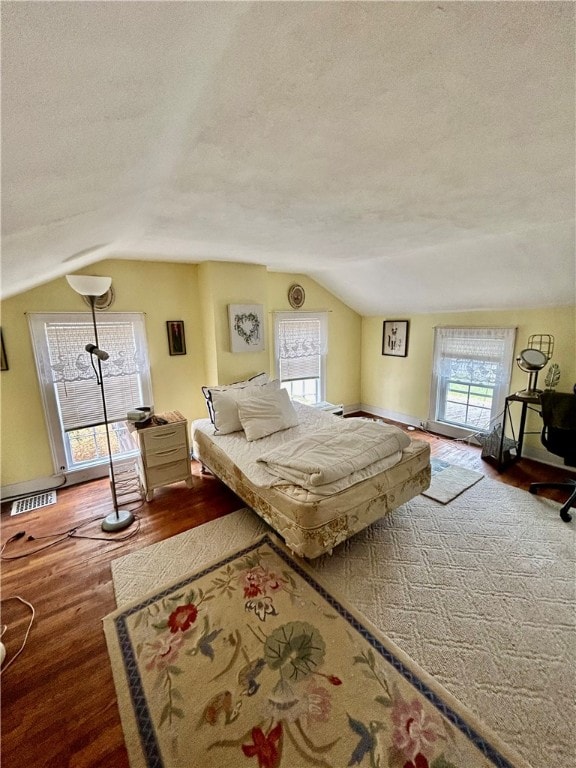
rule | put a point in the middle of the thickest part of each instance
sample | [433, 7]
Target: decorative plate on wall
[296, 296]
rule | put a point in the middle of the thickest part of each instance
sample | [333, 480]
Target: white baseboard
[42, 484]
[32, 487]
[52, 483]
[401, 418]
[545, 457]
[540, 455]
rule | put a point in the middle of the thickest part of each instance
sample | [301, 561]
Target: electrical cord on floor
[494, 422]
[131, 533]
[4, 627]
[61, 536]
[411, 428]
[422, 429]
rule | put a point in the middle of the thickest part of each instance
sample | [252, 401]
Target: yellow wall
[402, 385]
[196, 294]
[344, 334]
[199, 295]
[161, 294]
[226, 283]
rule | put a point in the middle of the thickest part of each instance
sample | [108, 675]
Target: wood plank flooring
[58, 700]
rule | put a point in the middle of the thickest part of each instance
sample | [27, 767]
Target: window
[470, 377]
[301, 346]
[70, 392]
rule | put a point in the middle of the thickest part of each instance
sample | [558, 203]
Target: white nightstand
[164, 453]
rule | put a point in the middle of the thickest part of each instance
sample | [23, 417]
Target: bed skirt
[314, 527]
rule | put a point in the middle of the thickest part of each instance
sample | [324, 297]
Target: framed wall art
[246, 327]
[176, 337]
[395, 338]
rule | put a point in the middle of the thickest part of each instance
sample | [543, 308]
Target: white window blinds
[489, 349]
[471, 363]
[301, 343]
[66, 372]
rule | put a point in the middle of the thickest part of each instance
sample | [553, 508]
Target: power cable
[61, 536]
[4, 628]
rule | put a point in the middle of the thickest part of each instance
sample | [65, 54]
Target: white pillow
[259, 379]
[266, 412]
[225, 405]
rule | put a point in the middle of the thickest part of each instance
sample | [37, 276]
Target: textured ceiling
[409, 156]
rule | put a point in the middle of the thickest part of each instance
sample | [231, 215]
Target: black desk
[504, 455]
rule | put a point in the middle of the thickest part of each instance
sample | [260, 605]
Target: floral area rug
[252, 662]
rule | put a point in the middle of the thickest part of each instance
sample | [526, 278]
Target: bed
[312, 517]
[315, 516]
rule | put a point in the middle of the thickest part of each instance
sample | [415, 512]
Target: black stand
[505, 457]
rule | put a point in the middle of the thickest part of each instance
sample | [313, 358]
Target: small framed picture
[3, 358]
[246, 327]
[395, 338]
[176, 338]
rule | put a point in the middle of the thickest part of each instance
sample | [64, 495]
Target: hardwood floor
[58, 700]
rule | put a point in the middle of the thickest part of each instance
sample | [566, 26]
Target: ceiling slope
[409, 156]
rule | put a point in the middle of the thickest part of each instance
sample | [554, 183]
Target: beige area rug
[479, 592]
[252, 660]
[449, 481]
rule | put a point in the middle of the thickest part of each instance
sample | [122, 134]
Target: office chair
[559, 437]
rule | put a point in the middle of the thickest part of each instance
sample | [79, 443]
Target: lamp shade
[89, 285]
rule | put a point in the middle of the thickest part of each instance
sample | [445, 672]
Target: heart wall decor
[246, 327]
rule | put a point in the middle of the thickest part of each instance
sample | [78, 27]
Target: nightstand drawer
[157, 439]
[167, 473]
[166, 455]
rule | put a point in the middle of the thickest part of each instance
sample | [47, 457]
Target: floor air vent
[33, 502]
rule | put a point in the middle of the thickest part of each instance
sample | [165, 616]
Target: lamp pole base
[117, 521]
[529, 393]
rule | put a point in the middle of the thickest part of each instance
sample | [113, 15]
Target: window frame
[440, 385]
[297, 315]
[60, 450]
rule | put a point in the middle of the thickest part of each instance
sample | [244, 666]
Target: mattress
[310, 523]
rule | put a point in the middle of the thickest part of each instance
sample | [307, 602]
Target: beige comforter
[326, 456]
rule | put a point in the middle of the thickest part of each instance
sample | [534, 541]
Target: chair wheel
[532, 489]
[565, 515]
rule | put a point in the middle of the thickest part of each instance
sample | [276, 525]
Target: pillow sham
[254, 381]
[225, 405]
[267, 412]
[259, 378]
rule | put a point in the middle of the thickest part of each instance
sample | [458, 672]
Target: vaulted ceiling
[409, 156]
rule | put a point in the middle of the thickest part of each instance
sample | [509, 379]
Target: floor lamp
[92, 287]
